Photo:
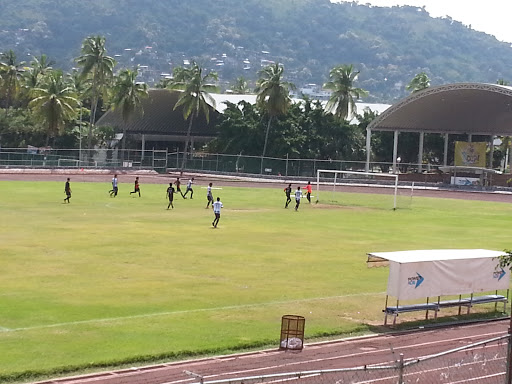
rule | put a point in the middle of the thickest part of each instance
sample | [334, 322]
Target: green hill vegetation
[388, 45]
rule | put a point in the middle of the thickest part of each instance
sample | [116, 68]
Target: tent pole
[396, 314]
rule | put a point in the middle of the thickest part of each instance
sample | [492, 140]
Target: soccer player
[113, 191]
[298, 196]
[288, 191]
[170, 195]
[136, 186]
[178, 188]
[67, 190]
[209, 195]
[189, 188]
[216, 210]
[309, 189]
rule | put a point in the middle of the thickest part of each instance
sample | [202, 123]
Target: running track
[327, 355]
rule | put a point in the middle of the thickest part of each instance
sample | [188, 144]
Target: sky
[489, 16]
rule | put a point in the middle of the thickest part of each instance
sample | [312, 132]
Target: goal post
[333, 178]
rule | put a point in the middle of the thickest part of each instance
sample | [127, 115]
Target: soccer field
[115, 280]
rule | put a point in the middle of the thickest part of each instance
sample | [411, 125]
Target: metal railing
[481, 362]
[161, 160]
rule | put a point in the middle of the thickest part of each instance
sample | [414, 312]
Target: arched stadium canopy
[462, 108]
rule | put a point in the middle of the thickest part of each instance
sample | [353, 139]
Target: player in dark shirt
[170, 195]
[136, 186]
[67, 190]
[178, 188]
[288, 191]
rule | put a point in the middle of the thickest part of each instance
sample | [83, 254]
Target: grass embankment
[106, 281]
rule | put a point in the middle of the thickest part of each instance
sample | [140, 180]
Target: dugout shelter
[461, 108]
[435, 273]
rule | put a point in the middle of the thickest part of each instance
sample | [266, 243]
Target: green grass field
[109, 281]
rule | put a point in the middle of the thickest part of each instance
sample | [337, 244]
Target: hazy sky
[490, 16]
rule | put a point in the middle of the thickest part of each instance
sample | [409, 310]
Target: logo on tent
[499, 274]
[416, 280]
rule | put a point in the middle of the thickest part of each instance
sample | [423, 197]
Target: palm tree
[418, 83]
[241, 86]
[127, 95]
[342, 102]
[10, 74]
[195, 97]
[98, 68]
[39, 66]
[273, 96]
[54, 102]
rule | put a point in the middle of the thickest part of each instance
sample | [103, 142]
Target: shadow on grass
[441, 321]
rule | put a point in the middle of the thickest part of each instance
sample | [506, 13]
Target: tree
[39, 66]
[418, 83]
[273, 96]
[98, 68]
[127, 94]
[505, 261]
[54, 102]
[10, 74]
[195, 97]
[502, 82]
[241, 86]
[342, 102]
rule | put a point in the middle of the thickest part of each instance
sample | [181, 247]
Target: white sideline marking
[167, 313]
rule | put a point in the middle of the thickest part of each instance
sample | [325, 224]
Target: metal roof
[160, 118]
[463, 108]
[416, 256]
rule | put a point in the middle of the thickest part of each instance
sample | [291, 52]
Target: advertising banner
[446, 277]
[470, 154]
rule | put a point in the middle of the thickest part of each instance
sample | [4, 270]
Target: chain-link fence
[161, 160]
[482, 362]
[73, 158]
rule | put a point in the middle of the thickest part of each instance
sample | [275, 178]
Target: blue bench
[437, 306]
[395, 310]
[489, 299]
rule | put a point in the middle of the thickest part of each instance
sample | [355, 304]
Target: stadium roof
[464, 108]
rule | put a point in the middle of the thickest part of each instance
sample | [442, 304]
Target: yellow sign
[470, 154]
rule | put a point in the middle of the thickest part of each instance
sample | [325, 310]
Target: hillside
[388, 45]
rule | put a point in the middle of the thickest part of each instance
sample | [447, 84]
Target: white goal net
[366, 189]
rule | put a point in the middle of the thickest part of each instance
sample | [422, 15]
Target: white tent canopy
[441, 272]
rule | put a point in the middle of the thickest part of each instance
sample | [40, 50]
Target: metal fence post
[509, 353]
[401, 369]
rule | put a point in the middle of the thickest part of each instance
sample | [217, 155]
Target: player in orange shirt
[309, 189]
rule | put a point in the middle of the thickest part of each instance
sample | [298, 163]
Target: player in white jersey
[113, 191]
[298, 196]
[216, 209]
[209, 195]
[189, 188]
